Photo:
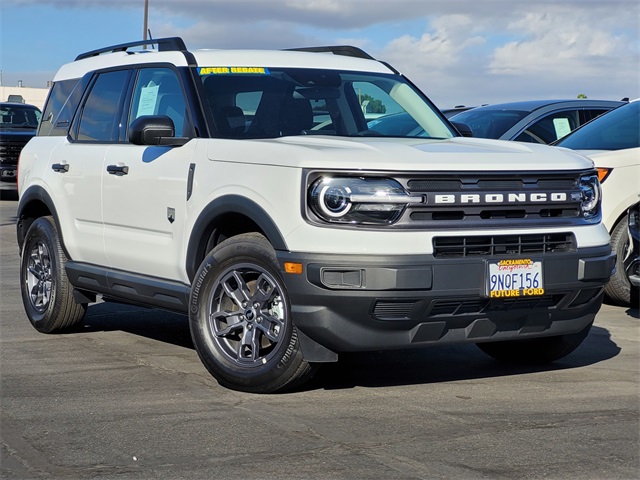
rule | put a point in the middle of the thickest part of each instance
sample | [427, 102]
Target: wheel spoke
[233, 323]
[264, 290]
[240, 292]
[271, 327]
[35, 271]
[249, 347]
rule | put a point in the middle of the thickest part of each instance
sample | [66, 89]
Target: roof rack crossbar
[164, 45]
[345, 50]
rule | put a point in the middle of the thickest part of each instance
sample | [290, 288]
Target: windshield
[268, 103]
[615, 130]
[488, 123]
[19, 116]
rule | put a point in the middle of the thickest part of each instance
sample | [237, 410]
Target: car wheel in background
[618, 290]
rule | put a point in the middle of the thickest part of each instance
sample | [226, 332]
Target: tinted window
[615, 130]
[60, 107]
[158, 92]
[101, 113]
[488, 123]
[550, 128]
[18, 117]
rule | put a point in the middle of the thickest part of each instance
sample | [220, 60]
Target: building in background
[33, 96]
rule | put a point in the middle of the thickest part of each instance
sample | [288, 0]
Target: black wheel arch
[35, 202]
[224, 217]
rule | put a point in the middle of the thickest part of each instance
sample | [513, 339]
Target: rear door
[78, 162]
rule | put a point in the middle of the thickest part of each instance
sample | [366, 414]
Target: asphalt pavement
[125, 396]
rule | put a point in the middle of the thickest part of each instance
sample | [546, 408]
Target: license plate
[515, 278]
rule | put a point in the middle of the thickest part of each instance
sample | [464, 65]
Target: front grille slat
[473, 246]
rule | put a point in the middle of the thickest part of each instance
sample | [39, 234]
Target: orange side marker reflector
[291, 267]
[603, 173]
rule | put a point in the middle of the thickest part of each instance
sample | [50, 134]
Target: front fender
[207, 220]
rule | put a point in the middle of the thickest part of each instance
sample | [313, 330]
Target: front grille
[475, 246]
[10, 151]
[393, 310]
[493, 199]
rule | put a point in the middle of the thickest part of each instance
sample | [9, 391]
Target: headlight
[591, 195]
[359, 200]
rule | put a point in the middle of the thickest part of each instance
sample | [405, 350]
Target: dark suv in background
[18, 124]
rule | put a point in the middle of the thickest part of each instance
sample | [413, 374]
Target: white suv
[246, 189]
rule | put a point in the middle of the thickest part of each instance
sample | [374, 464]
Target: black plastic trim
[164, 45]
[228, 204]
[192, 171]
[397, 306]
[35, 193]
[344, 50]
[129, 287]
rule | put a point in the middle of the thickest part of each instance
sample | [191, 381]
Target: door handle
[60, 167]
[117, 170]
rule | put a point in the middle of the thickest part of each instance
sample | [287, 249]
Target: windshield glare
[19, 116]
[615, 130]
[270, 103]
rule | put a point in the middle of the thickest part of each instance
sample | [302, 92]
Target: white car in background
[612, 141]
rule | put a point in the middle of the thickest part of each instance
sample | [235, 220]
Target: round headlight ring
[334, 201]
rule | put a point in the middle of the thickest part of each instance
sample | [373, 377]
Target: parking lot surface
[125, 396]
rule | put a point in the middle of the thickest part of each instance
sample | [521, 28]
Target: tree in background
[371, 105]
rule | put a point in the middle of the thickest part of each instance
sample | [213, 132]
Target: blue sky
[457, 51]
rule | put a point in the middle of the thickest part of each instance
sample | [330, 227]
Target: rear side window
[102, 110]
[60, 107]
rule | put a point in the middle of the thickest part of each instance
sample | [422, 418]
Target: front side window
[101, 113]
[158, 92]
[258, 102]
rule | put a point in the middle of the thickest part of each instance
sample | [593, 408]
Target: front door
[144, 188]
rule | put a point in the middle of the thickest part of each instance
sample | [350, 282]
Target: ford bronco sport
[251, 191]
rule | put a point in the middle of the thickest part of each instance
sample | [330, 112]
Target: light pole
[146, 21]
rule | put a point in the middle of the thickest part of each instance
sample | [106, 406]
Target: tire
[240, 319]
[618, 290]
[536, 350]
[47, 294]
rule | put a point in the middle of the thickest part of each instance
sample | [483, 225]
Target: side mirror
[463, 129]
[154, 130]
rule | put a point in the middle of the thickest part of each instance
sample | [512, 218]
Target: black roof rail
[345, 50]
[164, 45]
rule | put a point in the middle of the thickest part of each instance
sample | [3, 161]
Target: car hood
[460, 153]
[613, 158]
[9, 135]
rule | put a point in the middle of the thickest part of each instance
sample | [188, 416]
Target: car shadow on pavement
[160, 325]
[448, 363]
[445, 363]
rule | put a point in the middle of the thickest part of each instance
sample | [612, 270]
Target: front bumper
[359, 303]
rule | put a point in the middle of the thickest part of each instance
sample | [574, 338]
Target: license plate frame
[514, 278]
